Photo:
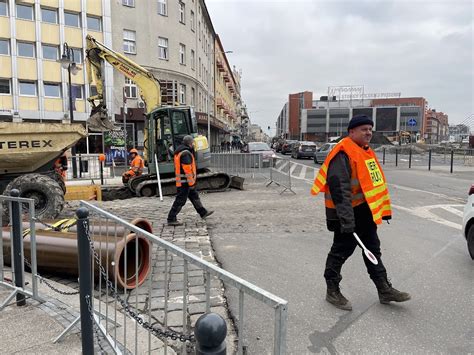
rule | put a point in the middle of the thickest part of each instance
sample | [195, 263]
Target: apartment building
[174, 40]
[33, 85]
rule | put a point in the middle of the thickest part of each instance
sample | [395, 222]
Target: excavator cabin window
[174, 126]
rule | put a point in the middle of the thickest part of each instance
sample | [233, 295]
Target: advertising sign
[114, 145]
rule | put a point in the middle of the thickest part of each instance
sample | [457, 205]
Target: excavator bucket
[99, 120]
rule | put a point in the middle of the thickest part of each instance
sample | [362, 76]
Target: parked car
[287, 146]
[260, 148]
[321, 153]
[303, 149]
[468, 222]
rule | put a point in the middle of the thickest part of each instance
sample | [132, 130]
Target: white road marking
[303, 172]
[425, 213]
[426, 192]
[293, 167]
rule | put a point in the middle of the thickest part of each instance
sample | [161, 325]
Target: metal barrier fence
[280, 173]
[88, 166]
[149, 279]
[16, 249]
[412, 156]
[240, 164]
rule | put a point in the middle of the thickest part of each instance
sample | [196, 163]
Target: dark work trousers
[184, 192]
[344, 245]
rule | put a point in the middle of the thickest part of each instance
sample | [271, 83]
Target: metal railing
[280, 173]
[163, 288]
[90, 167]
[12, 248]
[240, 164]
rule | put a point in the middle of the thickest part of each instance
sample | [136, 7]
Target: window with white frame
[50, 52]
[131, 91]
[52, 90]
[162, 48]
[94, 23]
[3, 8]
[129, 42]
[77, 55]
[49, 15]
[25, 12]
[5, 87]
[182, 94]
[27, 88]
[182, 12]
[129, 3]
[193, 59]
[72, 19]
[192, 20]
[162, 7]
[77, 91]
[26, 49]
[182, 54]
[4, 46]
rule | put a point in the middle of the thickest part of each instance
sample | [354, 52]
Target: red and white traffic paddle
[367, 252]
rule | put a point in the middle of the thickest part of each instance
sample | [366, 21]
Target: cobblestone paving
[150, 299]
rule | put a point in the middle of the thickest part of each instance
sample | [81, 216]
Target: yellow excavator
[165, 126]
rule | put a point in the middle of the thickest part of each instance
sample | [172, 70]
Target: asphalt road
[280, 243]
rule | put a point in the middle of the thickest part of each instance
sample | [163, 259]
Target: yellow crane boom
[148, 85]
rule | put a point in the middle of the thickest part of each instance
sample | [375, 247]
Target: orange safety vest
[189, 169]
[137, 165]
[367, 180]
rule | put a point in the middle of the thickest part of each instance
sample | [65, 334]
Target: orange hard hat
[133, 150]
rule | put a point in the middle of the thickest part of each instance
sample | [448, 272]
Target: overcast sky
[420, 48]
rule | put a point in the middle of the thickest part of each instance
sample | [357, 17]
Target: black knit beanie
[359, 120]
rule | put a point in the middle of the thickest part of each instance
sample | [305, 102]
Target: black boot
[335, 297]
[388, 294]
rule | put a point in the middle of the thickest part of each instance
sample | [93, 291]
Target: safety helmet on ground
[188, 140]
[133, 150]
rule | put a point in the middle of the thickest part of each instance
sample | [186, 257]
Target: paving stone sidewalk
[194, 238]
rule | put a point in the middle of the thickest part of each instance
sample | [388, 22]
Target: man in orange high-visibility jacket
[357, 200]
[136, 166]
[185, 171]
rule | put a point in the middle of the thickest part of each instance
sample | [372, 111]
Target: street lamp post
[67, 62]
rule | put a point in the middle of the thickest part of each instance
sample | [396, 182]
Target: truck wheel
[45, 191]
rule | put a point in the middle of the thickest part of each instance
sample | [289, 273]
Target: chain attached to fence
[47, 283]
[130, 310]
[96, 328]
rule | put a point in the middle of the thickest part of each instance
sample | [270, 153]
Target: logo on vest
[374, 171]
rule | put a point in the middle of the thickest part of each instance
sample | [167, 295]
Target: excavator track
[147, 186]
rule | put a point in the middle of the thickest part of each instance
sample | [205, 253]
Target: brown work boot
[336, 298]
[388, 294]
[175, 223]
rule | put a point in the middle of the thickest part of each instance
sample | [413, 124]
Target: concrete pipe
[56, 252]
[112, 230]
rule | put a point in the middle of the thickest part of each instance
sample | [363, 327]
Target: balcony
[220, 65]
[220, 103]
[226, 77]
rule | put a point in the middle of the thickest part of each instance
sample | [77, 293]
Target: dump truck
[28, 152]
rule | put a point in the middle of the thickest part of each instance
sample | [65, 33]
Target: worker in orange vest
[60, 166]
[357, 200]
[136, 166]
[186, 174]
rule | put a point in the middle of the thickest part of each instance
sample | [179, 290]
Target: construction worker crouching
[136, 166]
[186, 174]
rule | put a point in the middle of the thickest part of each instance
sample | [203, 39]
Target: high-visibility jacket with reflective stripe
[367, 180]
[189, 170]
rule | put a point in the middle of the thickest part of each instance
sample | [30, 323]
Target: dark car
[287, 146]
[303, 149]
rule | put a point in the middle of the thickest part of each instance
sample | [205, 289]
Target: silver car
[262, 149]
[321, 153]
